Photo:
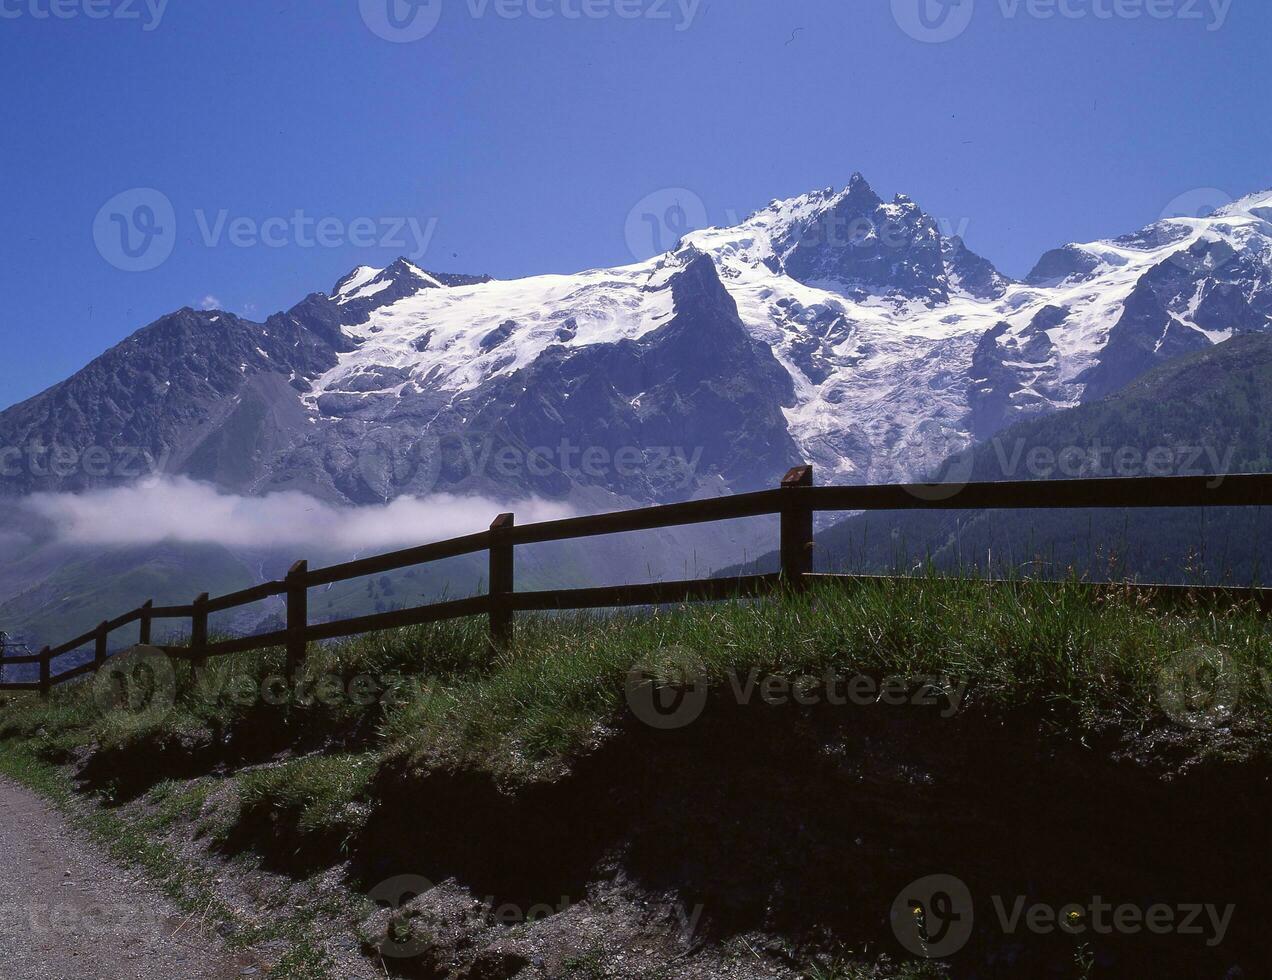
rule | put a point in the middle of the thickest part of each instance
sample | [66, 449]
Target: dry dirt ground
[68, 912]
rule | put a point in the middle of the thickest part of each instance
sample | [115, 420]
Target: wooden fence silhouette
[795, 501]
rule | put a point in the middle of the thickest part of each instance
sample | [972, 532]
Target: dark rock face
[321, 317]
[1004, 367]
[1145, 336]
[1230, 293]
[456, 279]
[816, 331]
[203, 392]
[1153, 237]
[1035, 346]
[498, 335]
[1225, 306]
[861, 244]
[992, 384]
[568, 330]
[698, 384]
[1067, 264]
[974, 273]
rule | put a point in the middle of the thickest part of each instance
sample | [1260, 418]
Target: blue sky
[516, 136]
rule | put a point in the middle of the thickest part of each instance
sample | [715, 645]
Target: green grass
[440, 692]
[1051, 646]
[319, 796]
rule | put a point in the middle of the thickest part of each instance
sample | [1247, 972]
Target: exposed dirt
[795, 830]
[70, 913]
[760, 841]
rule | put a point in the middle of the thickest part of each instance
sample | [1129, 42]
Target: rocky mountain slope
[1203, 414]
[833, 327]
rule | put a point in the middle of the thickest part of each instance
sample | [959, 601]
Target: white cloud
[210, 302]
[195, 513]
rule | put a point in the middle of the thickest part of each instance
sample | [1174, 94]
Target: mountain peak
[1258, 204]
[403, 275]
[855, 243]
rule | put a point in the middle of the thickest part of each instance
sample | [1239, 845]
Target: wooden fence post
[797, 528]
[99, 650]
[502, 583]
[144, 636]
[199, 631]
[297, 615]
[46, 670]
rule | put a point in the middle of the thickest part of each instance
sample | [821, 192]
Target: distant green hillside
[82, 592]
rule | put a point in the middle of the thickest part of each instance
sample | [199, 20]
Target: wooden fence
[795, 501]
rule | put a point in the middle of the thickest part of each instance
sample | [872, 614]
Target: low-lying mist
[183, 510]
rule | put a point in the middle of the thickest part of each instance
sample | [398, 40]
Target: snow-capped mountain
[834, 327]
[897, 345]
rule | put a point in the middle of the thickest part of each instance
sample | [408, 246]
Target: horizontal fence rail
[795, 502]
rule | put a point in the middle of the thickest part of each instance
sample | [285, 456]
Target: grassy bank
[294, 770]
[439, 694]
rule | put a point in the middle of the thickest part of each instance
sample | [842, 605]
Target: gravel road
[68, 912]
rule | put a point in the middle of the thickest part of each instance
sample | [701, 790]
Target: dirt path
[68, 912]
